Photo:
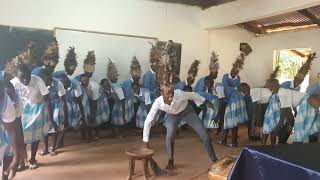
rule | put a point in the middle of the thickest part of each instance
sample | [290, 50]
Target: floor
[105, 159]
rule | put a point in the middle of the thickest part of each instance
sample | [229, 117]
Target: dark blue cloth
[181, 85]
[37, 71]
[127, 88]
[149, 82]
[202, 90]
[230, 86]
[280, 162]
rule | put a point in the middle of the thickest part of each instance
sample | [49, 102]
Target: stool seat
[143, 154]
[139, 153]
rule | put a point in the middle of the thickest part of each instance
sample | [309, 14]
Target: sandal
[53, 152]
[33, 166]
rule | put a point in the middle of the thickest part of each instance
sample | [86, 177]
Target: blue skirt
[236, 112]
[142, 113]
[103, 110]
[74, 113]
[35, 122]
[272, 115]
[58, 115]
[211, 115]
[117, 114]
[129, 113]
[306, 122]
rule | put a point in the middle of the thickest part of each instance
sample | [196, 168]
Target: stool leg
[145, 169]
[131, 166]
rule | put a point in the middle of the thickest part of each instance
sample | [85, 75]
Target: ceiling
[301, 19]
[204, 4]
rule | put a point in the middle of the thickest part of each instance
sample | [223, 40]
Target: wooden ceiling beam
[283, 25]
[309, 15]
[253, 27]
[298, 53]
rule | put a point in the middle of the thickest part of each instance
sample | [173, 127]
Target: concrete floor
[105, 158]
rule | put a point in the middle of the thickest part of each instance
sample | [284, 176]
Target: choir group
[40, 102]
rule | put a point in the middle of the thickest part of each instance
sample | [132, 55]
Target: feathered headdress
[24, 57]
[238, 64]
[193, 70]
[135, 68]
[89, 62]
[304, 70]
[112, 72]
[166, 72]
[274, 74]
[154, 54]
[71, 59]
[51, 54]
[214, 62]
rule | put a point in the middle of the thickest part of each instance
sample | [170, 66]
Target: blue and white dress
[103, 108]
[74, 113]
[72, 93]
[235, 112]
[307, 121]
[272, 115]
[211, 114]
[35, 116]
[56, 92]
[85, 101]
[129, 99]
[142, 112]
[117, 111]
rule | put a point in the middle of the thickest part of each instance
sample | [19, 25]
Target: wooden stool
[139, 154]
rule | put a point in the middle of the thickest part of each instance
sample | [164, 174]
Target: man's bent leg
[172, 126]
[193, 121]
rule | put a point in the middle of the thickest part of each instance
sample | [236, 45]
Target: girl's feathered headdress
[135, 68]
[304, 70]
[71, 58]
[193, 70]
[154, 54]
[51, 54]
[238, 64]
[112, 72]
[214, 62]
[89, 62]
[25, 57]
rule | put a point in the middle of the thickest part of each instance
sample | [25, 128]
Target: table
[294, 161]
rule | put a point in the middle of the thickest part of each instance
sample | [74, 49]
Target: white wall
[240, 11]
[259, 64]
[133, 17]
[226, 42]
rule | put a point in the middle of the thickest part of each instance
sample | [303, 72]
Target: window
[290, 61]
